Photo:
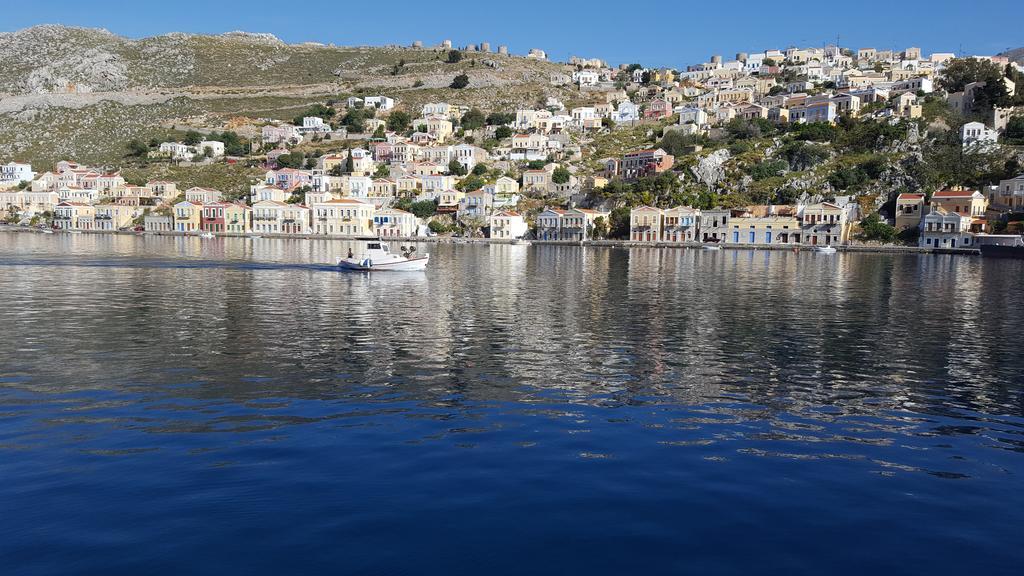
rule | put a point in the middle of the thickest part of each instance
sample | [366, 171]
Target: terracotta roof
[953, 193]
[906, 196]
[345, 201]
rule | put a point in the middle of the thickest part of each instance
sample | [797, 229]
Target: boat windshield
[377, 246]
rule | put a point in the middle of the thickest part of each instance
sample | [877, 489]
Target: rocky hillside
[84, 92]
[1015, 55]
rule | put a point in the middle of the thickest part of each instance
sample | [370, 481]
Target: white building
[977, 135]
[314, 125]
[379, 102]
[943, 229]
[586, 78]
[16, 173]
[507, 225]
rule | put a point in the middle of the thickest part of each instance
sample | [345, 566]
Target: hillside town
[707, 141]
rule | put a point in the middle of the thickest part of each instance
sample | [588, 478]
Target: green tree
[382, 171]
[618, 222]
[137, 148]
[456, 168]
[500, 118]
[676, 143]
[814, 131]
[423, 208]
[873, 228]
[959, 72]
[768, 169]
[600, 229]
[1014, 133]
[460, 82]
[561, 175]
[470, 183]
[473, 119]
[192, 138]
[398, 121]
[480, 169]
[454, 57]
[803, 156]
[503, 132]
[317, 110]
[291, 160]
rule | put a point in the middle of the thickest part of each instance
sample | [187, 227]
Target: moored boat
[1001, 245]
[824, 250]
[377, 257]
[207, 235]
[712, 247]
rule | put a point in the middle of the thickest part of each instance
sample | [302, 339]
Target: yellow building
[963, 202]
[909, 211]
[187, 216]
[766, 225]
[74, 216]
[578, 223]
[111, 217]
[825, 224]
[343, 217]
[645, 224]
[680, 224]
[237, 218]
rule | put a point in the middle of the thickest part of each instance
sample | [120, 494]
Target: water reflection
[703, 368]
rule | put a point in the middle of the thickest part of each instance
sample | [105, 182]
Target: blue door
[752, 233]
[768, 237]
[736, 237]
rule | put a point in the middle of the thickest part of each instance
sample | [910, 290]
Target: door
[752, 236]
[768, 237]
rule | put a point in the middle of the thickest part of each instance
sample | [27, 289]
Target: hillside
[1015, 55]
[76, 92]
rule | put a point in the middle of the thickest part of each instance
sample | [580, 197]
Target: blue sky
[653, 33]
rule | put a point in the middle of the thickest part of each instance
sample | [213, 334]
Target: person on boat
[350, 253]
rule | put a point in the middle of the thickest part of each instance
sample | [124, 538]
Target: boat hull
[399, 265]
[996, 251]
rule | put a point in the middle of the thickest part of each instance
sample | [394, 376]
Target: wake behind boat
[378, 257]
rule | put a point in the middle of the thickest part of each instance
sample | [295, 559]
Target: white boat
[378, 257]
[824, 249]
[46, 231]
[207, 235]
[74, 231]
[521, 242]
[712, 247]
